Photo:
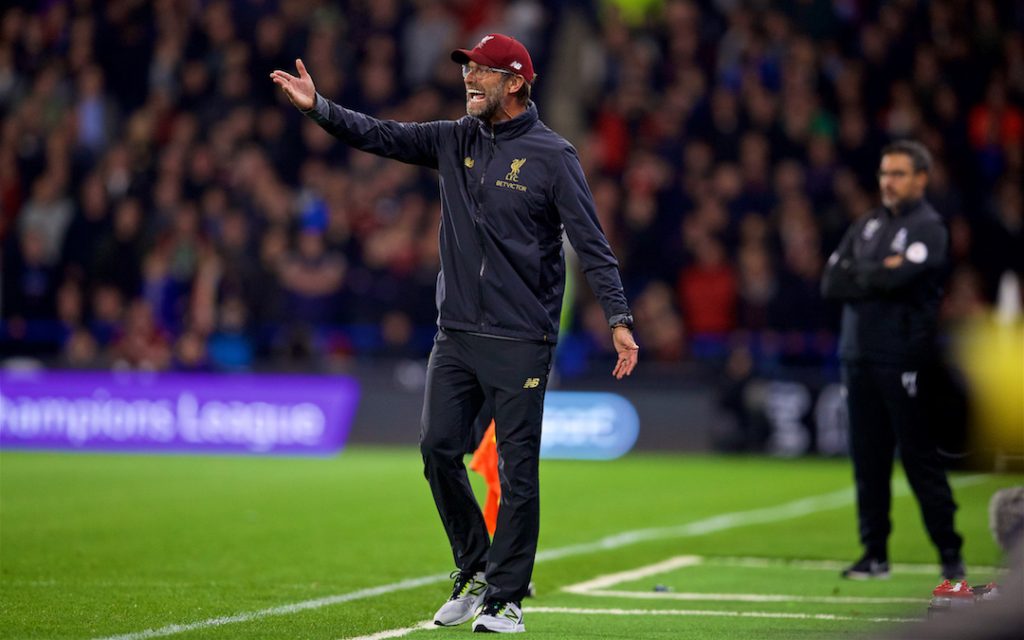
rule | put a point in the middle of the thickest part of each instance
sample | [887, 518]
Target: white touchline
[746, 597]
[428, 624]
[398, 633]
[789, 510]
[611, 579]
[829, 565]
[287, 609]
[698, 612]
[794, 509]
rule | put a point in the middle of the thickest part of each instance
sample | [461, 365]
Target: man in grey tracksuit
[509, 188]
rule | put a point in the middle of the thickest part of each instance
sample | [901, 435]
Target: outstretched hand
[300, 90]
[628, 352]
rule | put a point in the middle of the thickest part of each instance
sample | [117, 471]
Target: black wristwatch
[621, 320]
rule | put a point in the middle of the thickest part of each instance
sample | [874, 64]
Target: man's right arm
[839, 282]
[409, 142]
[415, 143]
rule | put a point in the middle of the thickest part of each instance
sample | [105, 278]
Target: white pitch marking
[794, 509]
[611, 579]
[746, 597]
[599, 586]
[787, 511]
[725, 614]
[398, 633]
[830, 565]
[305, 605]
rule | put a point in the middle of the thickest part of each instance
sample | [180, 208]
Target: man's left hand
[628, 352]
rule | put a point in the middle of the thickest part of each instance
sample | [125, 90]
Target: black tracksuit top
[890, 315]
[506, 191]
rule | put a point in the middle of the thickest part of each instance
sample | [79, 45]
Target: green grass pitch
[131, 546]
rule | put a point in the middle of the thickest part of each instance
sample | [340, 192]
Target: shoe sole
[482, 629]
[462, 620]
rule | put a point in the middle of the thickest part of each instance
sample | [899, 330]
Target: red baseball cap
[501, 52]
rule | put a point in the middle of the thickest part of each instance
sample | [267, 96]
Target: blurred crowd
[163, 207]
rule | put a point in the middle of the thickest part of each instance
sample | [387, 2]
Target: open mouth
[474, 95]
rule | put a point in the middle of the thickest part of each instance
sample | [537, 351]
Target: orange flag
[485, 462]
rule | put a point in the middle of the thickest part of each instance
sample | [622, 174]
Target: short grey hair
[918, 153]
[1006, 517]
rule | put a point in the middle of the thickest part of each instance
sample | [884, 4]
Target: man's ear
[515, 84]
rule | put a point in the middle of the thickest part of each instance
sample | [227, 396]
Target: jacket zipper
[480, 233]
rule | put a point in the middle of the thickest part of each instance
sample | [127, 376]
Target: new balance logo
[531, 383]
[478, 588]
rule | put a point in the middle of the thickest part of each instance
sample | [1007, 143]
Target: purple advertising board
[200, 413]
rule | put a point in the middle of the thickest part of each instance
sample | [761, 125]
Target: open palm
[300, 90]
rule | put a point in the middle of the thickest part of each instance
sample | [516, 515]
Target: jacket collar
[910, 207]
[515, 127]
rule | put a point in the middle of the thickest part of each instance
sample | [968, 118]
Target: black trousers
[886, 405]
[464, 371]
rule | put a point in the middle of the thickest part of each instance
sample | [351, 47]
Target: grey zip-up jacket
[507, 193]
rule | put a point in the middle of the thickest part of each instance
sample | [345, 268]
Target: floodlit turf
[94, 546]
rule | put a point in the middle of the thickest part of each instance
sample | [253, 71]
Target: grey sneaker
[867, 568]
[500, 617]
[467, 596]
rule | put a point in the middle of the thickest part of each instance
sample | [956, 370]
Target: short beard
[898, 203]
[491, 105]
